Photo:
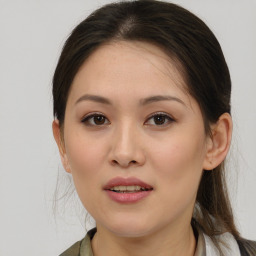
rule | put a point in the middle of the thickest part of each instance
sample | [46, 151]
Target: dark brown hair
[188, 42]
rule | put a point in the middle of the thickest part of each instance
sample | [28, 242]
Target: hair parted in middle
[197, 54]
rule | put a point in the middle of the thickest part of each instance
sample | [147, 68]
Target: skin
[129, 142]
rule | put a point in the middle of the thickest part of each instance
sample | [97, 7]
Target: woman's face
[134, 140]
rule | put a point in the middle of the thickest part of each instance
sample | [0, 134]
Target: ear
[219, 142]
[60, 143]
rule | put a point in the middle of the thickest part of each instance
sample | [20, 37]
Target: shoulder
[225, 243]
[247, 247]
[83, 247]
[74, 250]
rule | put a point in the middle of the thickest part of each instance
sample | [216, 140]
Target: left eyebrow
[94, 98]
[160, 98]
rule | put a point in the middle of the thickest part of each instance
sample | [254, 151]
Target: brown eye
[99, 120]
[95, 120]
[160, 119]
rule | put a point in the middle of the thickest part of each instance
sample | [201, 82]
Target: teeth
[128, 188]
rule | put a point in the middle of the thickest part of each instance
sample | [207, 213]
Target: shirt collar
[86, 247]
[204, 246]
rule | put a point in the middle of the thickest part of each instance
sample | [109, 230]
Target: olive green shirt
[83, 247]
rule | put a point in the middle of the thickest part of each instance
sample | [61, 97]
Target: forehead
[139, 67]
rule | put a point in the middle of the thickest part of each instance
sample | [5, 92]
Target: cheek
[179, 162]
[178, 170]
[85, 156]
[179, 150]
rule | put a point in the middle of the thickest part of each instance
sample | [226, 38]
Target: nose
[126, 147]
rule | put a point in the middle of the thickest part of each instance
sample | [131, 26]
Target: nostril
[114, 162]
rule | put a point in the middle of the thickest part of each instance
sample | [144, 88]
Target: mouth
[127, 190]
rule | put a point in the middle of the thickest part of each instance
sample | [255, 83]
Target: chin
[130, 229]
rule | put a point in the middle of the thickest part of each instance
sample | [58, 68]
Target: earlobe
[60, 143]
[219, 142]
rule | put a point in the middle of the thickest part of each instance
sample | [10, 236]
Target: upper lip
[131, 181]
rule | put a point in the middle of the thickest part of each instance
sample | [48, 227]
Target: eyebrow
[143, 102]
[94, 98]
[160, 98]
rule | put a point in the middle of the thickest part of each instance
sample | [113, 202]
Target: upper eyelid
[88, 116]
[151, 115]
[160, 113]
[92, 115]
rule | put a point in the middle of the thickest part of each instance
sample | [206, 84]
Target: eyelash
[87, 118]
[167, 117]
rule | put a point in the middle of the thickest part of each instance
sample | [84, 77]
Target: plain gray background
[31, 37]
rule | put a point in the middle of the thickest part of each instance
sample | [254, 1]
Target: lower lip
[126, 198]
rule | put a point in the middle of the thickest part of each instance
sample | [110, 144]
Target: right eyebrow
[94, 98]
[158, 98]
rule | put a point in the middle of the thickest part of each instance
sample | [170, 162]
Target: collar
[204, 247]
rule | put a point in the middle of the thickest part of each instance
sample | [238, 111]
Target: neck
[180, 242]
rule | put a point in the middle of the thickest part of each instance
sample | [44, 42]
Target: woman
[142, 121]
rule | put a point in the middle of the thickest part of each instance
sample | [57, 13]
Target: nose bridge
[126, 148]
[125, 137]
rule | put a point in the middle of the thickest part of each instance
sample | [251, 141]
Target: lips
[127, 190]
[127, 182]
